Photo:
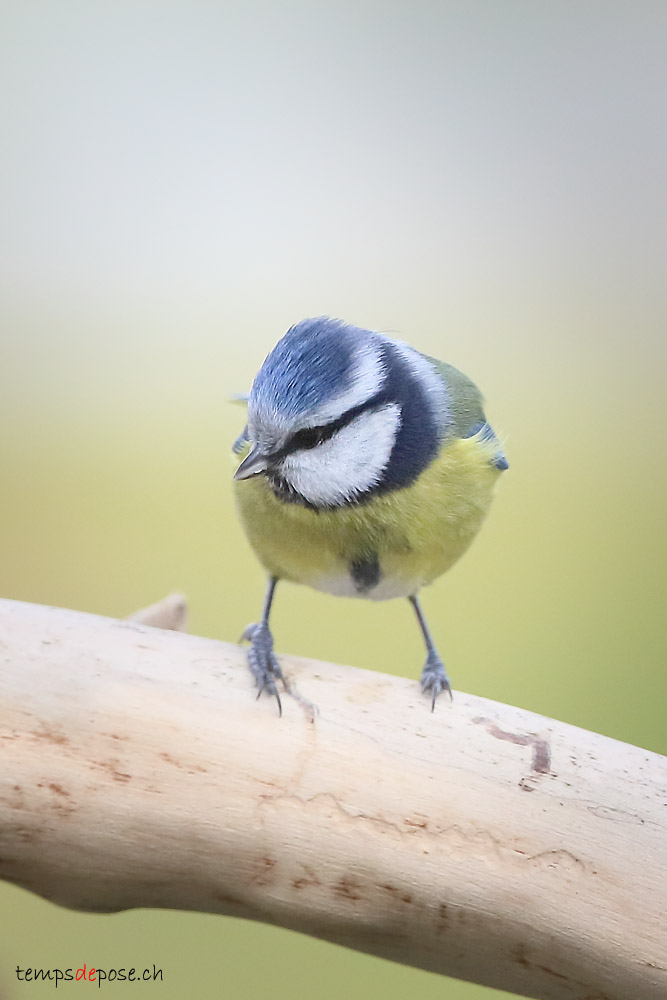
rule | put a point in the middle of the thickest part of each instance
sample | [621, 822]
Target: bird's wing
[467, 409]
[241, 441]
[240, 399]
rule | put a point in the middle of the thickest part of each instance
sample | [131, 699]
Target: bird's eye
[309, 437]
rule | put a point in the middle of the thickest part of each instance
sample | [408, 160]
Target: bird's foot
[263, 662]
[434, 678]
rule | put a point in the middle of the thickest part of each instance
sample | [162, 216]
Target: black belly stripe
[365, 572]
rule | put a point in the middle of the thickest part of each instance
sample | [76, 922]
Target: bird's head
[327, 410]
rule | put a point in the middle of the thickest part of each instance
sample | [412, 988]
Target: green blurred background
[181, 181]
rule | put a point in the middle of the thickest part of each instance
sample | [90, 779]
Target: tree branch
[171, 612]
[480, 841]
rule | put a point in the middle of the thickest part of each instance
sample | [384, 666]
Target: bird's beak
[252, 465]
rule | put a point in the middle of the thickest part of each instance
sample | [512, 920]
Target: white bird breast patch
[348, 463]
[387, 589]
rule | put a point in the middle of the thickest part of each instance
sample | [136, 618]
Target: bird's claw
[263, 662]
[248, 632]
[434, 678]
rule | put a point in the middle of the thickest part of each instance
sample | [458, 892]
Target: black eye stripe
[310, 437]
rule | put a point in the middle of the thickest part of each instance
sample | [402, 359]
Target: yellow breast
[415, 533]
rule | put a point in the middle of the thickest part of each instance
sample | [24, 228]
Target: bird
[366, 470]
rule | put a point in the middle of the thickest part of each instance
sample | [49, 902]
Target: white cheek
[349, 463]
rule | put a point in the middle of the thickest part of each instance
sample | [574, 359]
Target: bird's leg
[261, 658]
[434, 676]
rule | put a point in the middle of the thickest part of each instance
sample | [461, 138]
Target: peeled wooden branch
[171, 612]
[480, 841]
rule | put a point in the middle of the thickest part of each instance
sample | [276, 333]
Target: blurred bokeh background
[179, 183]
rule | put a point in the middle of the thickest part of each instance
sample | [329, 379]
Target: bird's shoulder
[466, 408]
[466, 403]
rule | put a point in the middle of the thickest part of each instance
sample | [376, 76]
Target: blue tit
[367, 469]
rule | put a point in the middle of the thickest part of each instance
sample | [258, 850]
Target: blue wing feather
[486, 433]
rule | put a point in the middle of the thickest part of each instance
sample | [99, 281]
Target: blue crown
[312, 363]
